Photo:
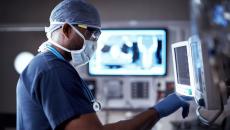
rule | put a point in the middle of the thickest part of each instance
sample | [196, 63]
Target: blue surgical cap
[74, 12]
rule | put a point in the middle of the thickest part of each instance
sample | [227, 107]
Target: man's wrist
[155, 112]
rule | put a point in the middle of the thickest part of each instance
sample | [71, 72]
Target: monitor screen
[130, 52]
[182, 66]
[183, 71]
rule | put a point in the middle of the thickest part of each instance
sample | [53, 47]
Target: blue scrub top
[49, 92]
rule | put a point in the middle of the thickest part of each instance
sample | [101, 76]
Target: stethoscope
[87, 92]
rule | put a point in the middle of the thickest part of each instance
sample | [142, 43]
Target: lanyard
[88, 93]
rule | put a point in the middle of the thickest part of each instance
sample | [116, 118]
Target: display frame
[183, 89]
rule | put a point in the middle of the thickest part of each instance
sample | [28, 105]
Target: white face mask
[82, 56]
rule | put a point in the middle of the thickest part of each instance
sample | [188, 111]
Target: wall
[126, 10]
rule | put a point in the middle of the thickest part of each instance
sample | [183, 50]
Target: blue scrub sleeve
[61, 96]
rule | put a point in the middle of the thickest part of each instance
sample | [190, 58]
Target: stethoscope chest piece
[96, 106]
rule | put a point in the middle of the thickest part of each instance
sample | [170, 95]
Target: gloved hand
[171, 104]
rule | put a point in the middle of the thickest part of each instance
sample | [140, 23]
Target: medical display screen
[182, 66]
[130, 52]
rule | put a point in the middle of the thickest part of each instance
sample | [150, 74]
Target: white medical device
[183, 68]
[206, 91]
[194, 76]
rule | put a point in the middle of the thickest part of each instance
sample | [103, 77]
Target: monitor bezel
[181, 88]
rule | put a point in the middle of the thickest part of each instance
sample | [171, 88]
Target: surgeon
[50, 93]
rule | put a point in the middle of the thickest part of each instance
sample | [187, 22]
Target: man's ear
[66, 29]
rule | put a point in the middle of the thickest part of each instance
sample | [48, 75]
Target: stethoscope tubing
[86, 90]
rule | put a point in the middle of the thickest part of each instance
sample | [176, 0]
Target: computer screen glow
[130, 52]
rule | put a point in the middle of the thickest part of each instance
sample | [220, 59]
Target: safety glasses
[92, 33]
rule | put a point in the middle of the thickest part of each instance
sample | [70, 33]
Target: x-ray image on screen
[130, 52]
[182, 65]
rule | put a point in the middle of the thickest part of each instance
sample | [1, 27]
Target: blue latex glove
[171, 104]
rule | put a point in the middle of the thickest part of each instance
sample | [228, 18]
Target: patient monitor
[194, 76]
[182, 64]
